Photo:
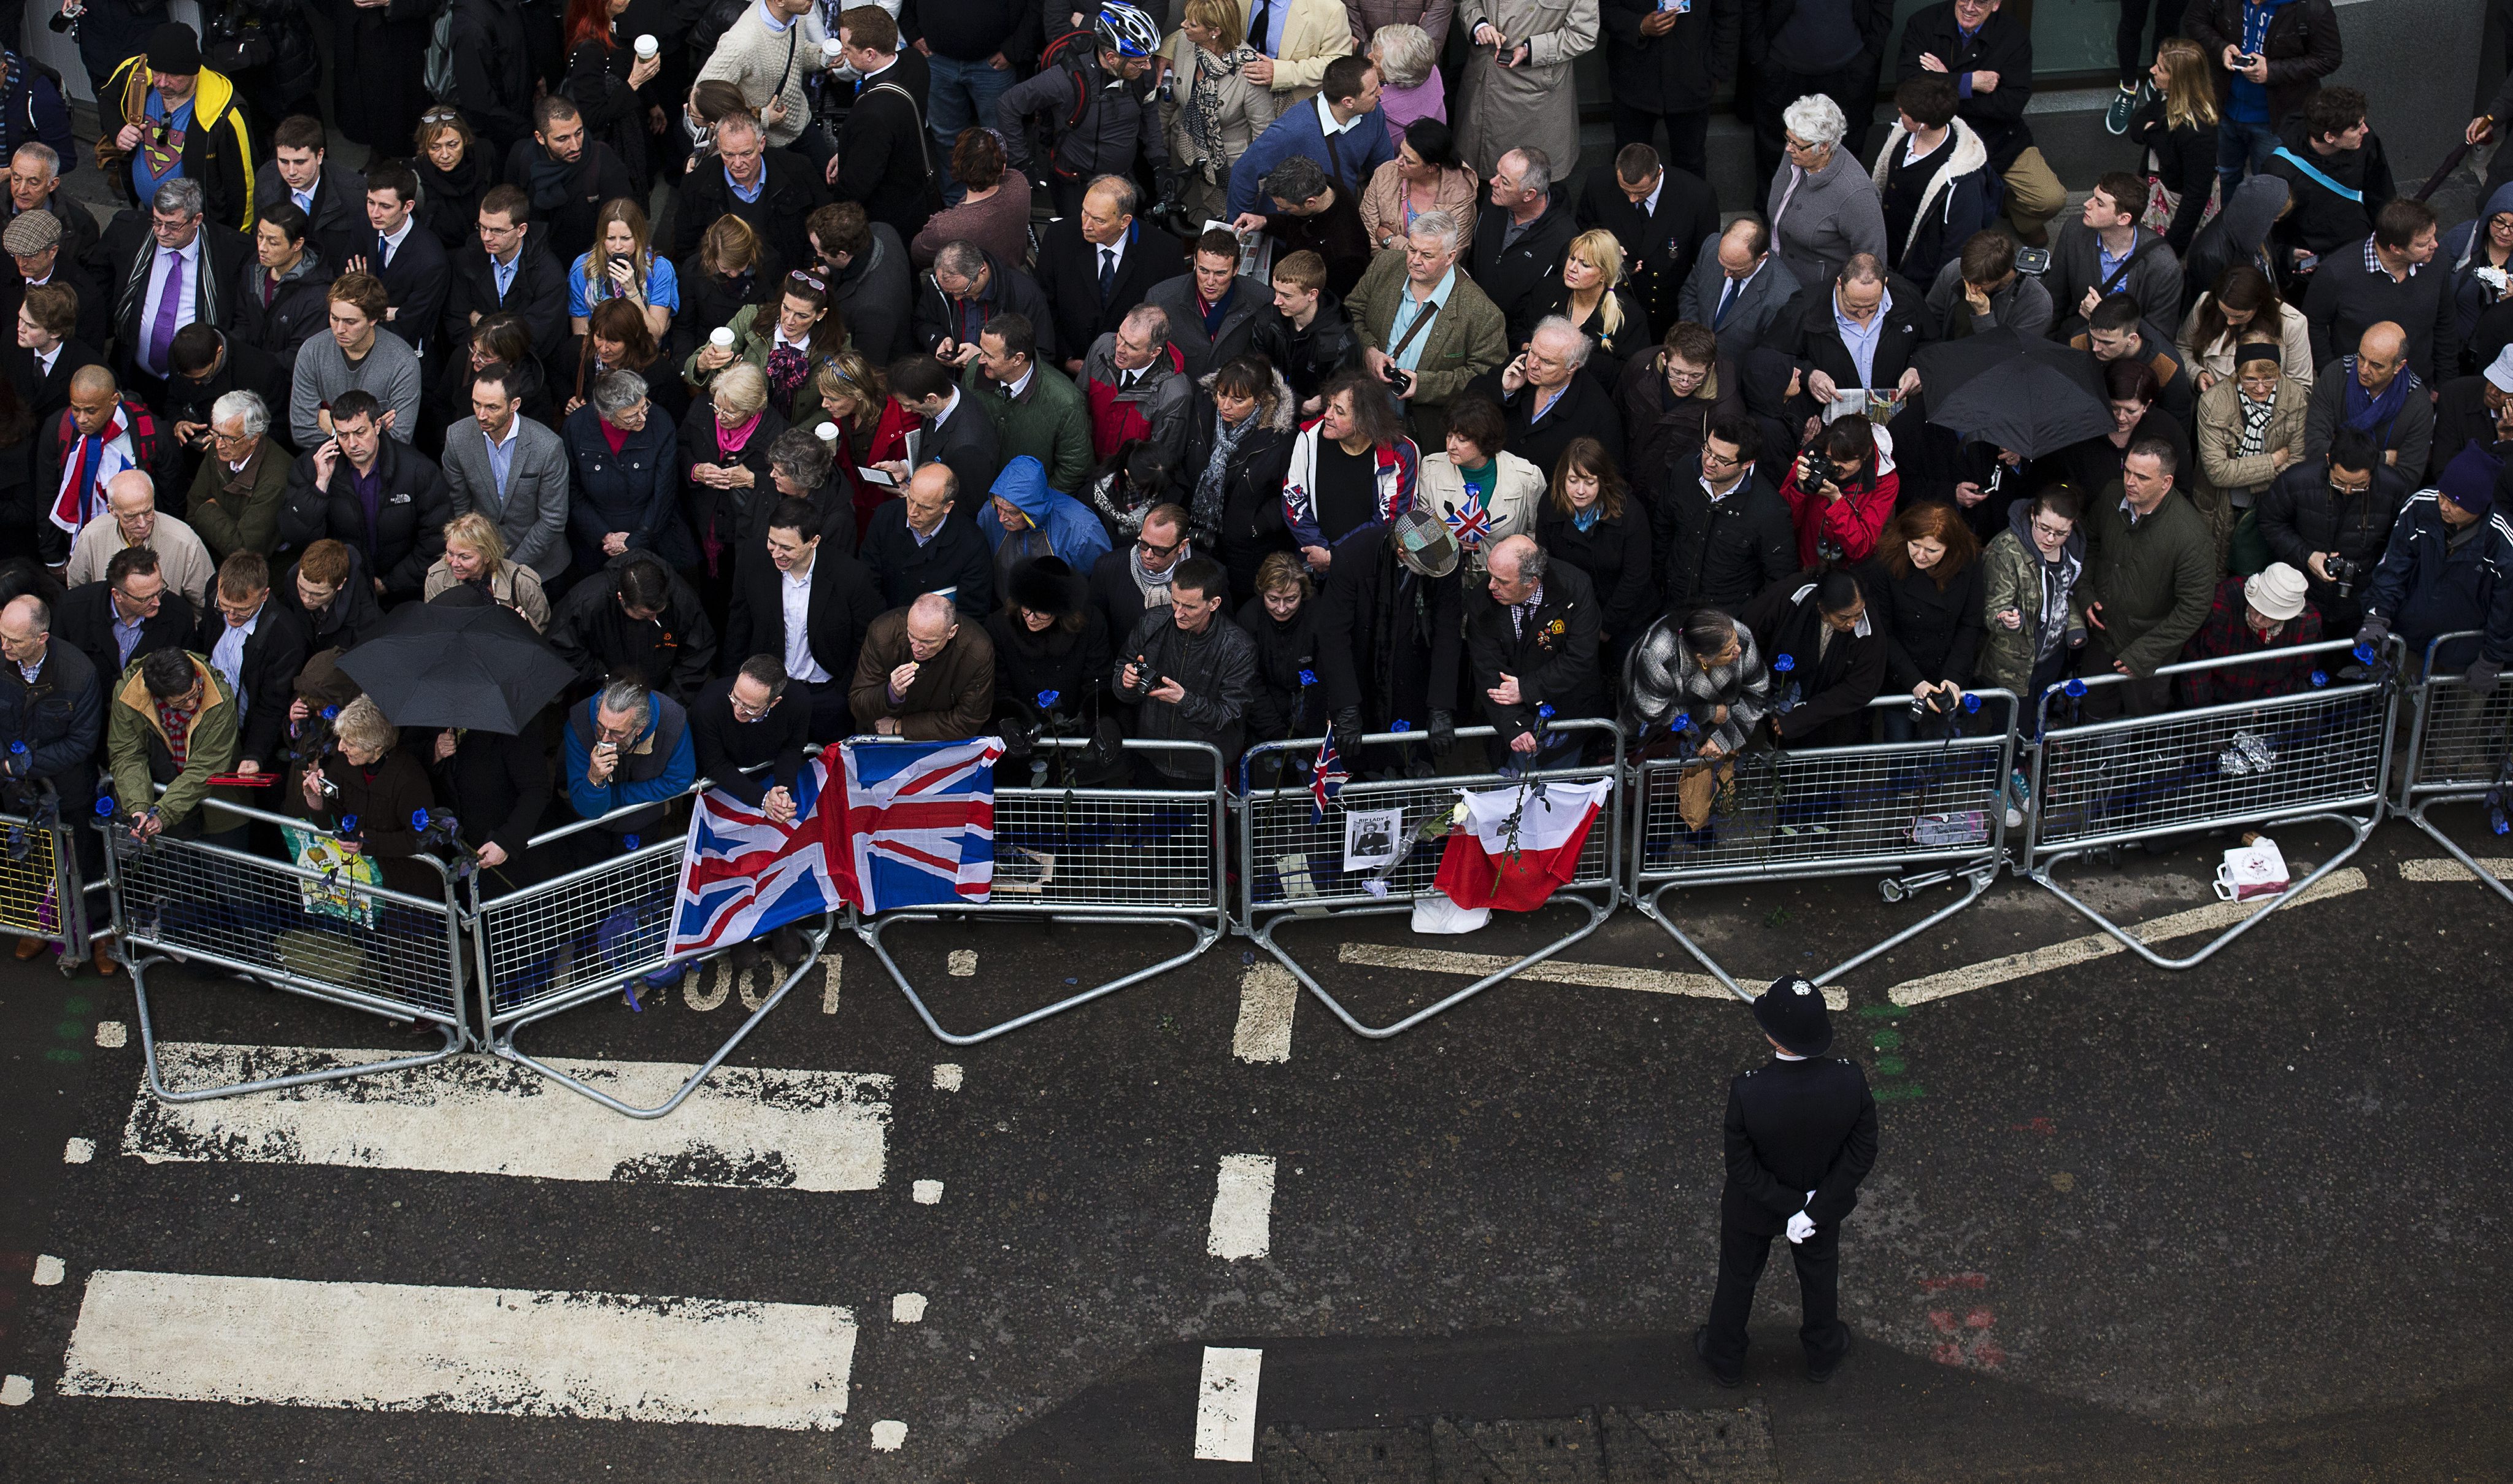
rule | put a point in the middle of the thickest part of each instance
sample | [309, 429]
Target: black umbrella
[2032, 396]
[429, 664]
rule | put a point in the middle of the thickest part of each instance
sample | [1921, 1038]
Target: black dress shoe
[1819, 1375]
[1701, 1348]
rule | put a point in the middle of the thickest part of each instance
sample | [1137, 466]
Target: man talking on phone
[628, 746]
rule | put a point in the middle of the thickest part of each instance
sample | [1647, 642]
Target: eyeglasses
[2052, 533]
[799, 276]
[1711, 460]
[440, 116]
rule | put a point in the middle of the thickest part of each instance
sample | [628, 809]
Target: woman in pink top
[1408, 78]
[994, 214]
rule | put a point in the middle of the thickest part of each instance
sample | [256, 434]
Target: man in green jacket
[1036, 410]
[174, 722]
[2150, 577]
[1425, 329]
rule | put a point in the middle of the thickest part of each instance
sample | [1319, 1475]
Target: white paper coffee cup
[721, 339]
[647, 46]
[829, 47]
[826, 432]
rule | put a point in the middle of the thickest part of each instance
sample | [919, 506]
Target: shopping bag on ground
[2254, 868]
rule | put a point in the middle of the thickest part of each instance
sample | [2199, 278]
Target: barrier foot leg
[1263, 932]
[1982, 877]
[1206, 936]
[2359, 831]
[138, 968]
[2417, 817]
[1651, 910]
[501, 1040]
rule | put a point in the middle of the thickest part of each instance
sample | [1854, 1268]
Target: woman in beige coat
[1531, 103]
[1216, 110]
[2250, 430]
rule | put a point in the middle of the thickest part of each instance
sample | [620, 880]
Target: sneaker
[788, 946]
[2017, 796]
[2124, 103]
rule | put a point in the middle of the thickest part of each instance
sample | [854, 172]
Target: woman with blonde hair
[2178, 130]
[1589, 293]
[475, 553]
[727, 486]
[1216, 110]
[620, 264]
[726, 272]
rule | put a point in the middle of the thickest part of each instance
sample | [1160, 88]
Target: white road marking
[927, 1192]
[828, 983]
[50, 1270]
[16, 1391]
[78, 1151]
[401, 1347]
[888, 1435]
[1556, 972]
[1243, 1207]
[907, 1308]
[2447, 869]
[756, 981]
[112, 1033]
[1225, 1406]
[1267, 995]
[745, 1126]
[947, 1076]
[720, 985]
[2213, 918]
[961, 962]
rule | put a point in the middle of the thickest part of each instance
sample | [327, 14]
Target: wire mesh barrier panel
[314, 933]
[2460, 752]
[1378, 846]
[1150, 856]
[2315, 749]
[1928, 812]
[43, 894]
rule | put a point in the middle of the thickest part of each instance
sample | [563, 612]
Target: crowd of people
[1257, 371]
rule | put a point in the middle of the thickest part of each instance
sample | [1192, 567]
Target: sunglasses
[799, 276]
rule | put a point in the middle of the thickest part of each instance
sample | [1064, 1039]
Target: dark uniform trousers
[1793, 1125]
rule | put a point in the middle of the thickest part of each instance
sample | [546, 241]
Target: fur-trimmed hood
[1277, 411]
[1970, 154]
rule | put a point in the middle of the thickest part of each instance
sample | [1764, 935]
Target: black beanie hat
[173, 49]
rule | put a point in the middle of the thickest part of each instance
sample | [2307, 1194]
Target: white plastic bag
[2257, 868]
[1434, 912]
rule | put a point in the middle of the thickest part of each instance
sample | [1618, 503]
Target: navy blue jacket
[60, 715]
[32, 110]
[2428, 585]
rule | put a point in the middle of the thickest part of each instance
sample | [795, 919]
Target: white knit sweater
[751, 58]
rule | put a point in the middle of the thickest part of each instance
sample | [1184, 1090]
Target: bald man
[2375, 390]
[924, 675]
[101, 435]
[52, 699]
[132, 519]
[1736, 286]
[1099, 262]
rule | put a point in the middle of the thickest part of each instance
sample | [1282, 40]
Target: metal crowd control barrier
[308, 931]
[2320, 753]
[1291, 864]
[1102, 856]
[2460, 752]
[43, 892]
[1928, 807]
[584, 933]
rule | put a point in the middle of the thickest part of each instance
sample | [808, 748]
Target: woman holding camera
[1841, 491]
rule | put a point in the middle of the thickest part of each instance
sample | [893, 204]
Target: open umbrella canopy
[429, 664]
[2033, 397]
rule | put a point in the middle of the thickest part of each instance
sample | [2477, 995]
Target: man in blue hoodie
[1029, 520]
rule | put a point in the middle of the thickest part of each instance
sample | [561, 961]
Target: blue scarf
[2367, 413]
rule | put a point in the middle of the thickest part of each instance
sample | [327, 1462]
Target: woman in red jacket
[1841, 493]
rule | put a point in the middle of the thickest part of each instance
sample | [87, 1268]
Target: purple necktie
[161, 331]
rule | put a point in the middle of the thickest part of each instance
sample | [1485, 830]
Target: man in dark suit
[35, 246]
[809, 608]
[567, 177]
[258, 646]
[405, 255]
[1660, 216]
[46, 352]
[1663, 63]
[1521, 238]
[956, 432]
[775, 190]
[872, 284]
[507, 267]
[1532, 643]
[1810, 334]
[1801, 1136]
[146, 250]
[885, 159]
[916, 544]
[1738, 286]
[131, 613]
[1101, 262]
[332, 197]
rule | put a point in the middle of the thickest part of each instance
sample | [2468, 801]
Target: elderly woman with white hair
[1824, 209]
[1408, 78]
[235, 497]
[364, 788]
[625, 457]
[475, 553]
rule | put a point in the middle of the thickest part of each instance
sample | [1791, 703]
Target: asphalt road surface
[2245, 1222]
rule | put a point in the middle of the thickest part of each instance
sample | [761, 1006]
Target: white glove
[1801, 1228]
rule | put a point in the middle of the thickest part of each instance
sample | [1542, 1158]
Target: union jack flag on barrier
[743, 874]
[917, 825]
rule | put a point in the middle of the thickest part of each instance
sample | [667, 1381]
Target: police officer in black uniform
[1801, 1136]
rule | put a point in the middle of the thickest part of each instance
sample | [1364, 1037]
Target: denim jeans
[2238, 144]
[963, 95]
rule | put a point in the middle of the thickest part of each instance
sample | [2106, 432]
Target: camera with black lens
[2344, 575]
[1811, 471]
[311, 739]
[1828, 551]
